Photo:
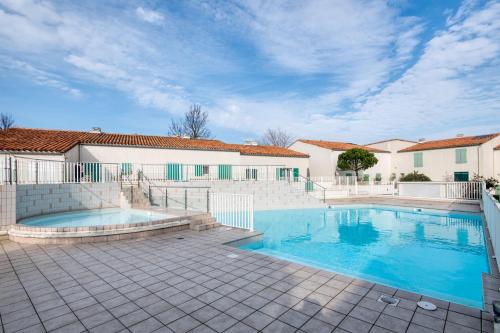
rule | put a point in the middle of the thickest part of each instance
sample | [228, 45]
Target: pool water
[94, 218]
[435, 253]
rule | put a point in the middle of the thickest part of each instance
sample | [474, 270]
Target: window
[418, 160]
[366, 178]
[251, 174]
[225, 172]
[126, 168]
[461, 156]
[461, 176]
[295, 174]
[174, 171]
[378, 177]
[200, 170]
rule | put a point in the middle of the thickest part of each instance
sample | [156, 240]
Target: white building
[173, 156]
[455, 159]
[323, 156]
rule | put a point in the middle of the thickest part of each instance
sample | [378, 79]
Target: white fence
[441, 190]
[491, 209]
[233, 210]
[32, 171]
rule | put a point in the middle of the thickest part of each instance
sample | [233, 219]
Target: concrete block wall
[267, 195]
[32, 200]
[7, 206]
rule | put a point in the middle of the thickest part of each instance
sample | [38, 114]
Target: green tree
[356, 160]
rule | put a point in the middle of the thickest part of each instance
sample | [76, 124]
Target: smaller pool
[95, 217]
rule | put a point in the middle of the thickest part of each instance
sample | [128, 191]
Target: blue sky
[356, 71]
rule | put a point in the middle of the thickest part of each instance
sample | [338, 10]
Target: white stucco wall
[320, 163]
[120, 154]
[289, 162]
[393, 146]
[487, 165]
[323, 162]
[439, 164]
[496, 162]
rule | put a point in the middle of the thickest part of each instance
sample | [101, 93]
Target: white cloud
[149, 15]
[39, 76]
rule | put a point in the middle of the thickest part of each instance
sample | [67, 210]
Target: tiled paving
[167, 284]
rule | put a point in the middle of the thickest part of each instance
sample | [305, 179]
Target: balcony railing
[32, 171]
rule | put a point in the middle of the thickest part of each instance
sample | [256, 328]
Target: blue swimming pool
[435, 253]
[94, 217]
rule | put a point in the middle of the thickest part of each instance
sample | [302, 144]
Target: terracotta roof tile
[464, 141]
[341, 146]
[268, 151]
[60, 141]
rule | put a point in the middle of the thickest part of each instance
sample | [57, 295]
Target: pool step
[203, 222]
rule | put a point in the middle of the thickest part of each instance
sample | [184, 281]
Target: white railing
[233, 210]
[441, 190]
[491, 209]
[32, 171]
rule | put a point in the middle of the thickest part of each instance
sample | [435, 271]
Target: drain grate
[427, 305]
[179, 237]
[388, 300]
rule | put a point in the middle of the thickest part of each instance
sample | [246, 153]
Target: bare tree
[194, 124]
[6, 121]
[276, 137]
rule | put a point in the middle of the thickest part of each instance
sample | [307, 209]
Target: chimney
[460, 135]
[421, 140]
[250, 142]
[95, 130]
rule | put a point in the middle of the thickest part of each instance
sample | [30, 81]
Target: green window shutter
[378, 177]
[280, 173]
[295, 174]
[366, 178]
[418, 160]
[225, 172]
[126, 168]
[198, 170]
[92, 172]
[461, 156]
[174, 171]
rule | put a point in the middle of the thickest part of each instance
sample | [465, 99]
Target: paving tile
[364, 314]
[317, 326]
[273, 309]
[329, 316]
[414, 328]
[428, 321]
[258, 320]
[97, 319]
[108, 327]
[60, 321]
[75, 327]
[464, 320]
[137, 316]
[241, 328]
[184, 324]
[307, 308]
[239, 311]
[340, 306]
[398, 312]
[392, 323]
[279, 327]
[294, 318]
[456, 328]
[206, 313]
[221, 322]
[146, 326]
[355, 325]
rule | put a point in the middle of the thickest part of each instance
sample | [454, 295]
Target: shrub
[490, 182]
[415, 176]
